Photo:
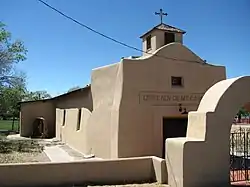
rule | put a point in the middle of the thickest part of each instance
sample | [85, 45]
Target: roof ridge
[167, 28]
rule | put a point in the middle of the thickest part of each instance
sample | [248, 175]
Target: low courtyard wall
[128, 170]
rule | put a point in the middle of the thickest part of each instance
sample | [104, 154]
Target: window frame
[175, 84]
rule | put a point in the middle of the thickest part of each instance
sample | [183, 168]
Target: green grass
[7, 125]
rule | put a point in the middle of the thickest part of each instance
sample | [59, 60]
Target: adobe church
[132, 106]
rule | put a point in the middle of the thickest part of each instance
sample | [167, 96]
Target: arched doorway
[39, 128]
[202, 158]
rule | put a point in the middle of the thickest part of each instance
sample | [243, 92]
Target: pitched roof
[165, 27]
[72, 92]
[59, 96]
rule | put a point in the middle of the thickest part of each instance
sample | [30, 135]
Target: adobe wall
[131, 98]
[69, 132]
[129, 170]
[31, 110]
[102, 130]
[79, 99]
[96, 134]
[207, 142]
[148, 96]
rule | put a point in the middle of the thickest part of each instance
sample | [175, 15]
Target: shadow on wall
[71, 127]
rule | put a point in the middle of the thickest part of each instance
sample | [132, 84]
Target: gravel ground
[17, 157]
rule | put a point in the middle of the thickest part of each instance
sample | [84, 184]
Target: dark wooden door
[173, 128]
[38, 128]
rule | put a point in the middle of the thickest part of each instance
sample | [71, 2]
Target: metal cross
[161, 14]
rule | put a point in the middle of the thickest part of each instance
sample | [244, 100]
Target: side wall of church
[76, 100]
[98, 129]
[148, 96]
[31, 110]
[71, 131]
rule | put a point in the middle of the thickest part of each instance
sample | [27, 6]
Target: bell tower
[160, 35]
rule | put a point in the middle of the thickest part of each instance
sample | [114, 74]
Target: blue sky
[62, 54]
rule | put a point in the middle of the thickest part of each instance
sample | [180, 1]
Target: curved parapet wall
[174, 51]
[202, 159]
[150, 77]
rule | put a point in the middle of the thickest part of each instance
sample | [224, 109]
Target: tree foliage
[243, 112]
[37, 95]
[11, 52]
[12, 82]
[9, 100]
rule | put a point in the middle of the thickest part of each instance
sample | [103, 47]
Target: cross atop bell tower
[161, 14]
[160, 35]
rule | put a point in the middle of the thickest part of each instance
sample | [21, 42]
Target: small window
[79, 119]
[177, 81]
[169, 38]
[64, 117]
[148, 40]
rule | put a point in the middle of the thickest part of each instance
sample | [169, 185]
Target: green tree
[11, 52]
[242, 113]
[9, 100]
[37, 95]
[12, 82]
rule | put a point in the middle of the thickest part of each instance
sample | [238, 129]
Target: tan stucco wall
[106, 86]
[97, 134]
[157, 41]
[100, 172]
[125, 122]
[140, 122]
[77, 99]
[31, 110]
[122, 124]
[160, 38]
[68, 133]
[47, 109]
[153, 44]
[208, 134]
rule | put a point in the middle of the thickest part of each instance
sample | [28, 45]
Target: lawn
[7, 125]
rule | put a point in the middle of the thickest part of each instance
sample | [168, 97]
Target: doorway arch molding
[202, 157]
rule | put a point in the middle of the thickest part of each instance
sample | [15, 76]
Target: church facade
[140, 101]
